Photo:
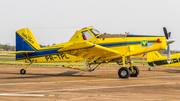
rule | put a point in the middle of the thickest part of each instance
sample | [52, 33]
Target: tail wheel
[22, 71]
[124, 72]
[136, 71]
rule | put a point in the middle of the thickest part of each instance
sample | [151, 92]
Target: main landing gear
[124, 72]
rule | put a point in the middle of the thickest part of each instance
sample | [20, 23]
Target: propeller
[165, 32]
[168, 41]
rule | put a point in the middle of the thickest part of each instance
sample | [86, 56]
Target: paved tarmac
[64, 84]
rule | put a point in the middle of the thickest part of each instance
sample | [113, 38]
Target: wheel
[149, 69]
[124, 72]
[22, 71]
[136, 71]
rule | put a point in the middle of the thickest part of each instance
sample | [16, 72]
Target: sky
[55, 21]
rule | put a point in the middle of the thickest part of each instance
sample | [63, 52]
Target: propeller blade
[165, 32]
[168, 54]
[169, 34]
[169, 41]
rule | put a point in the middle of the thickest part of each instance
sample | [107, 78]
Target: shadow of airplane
[165, 70]
[34, 75]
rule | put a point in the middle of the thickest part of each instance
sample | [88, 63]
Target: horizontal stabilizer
[22, 52]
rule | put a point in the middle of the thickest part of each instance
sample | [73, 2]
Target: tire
[124, 72]
[136, 71]
[149, 69]
[22, 71]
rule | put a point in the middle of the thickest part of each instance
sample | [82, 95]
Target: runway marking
[155, 77]
[95, 88]
[41, 82]
[12, 94]
[88, 80]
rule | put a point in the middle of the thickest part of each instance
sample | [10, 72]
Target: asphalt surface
[64, 84]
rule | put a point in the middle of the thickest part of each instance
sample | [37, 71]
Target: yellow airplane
[88, 45]
[155, 58]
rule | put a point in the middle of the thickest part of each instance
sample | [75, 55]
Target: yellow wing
[90, 51]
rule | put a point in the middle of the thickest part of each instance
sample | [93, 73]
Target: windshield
[86, 35]
[95, 32]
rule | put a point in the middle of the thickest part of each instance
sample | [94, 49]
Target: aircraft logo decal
[28, 38]
[144, 43]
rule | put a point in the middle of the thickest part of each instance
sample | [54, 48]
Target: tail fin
[25, 40]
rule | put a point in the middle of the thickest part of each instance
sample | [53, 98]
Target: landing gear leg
[23, 71]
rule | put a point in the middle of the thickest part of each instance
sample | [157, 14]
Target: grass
[4, 54]
[34, 64]
[135, 62]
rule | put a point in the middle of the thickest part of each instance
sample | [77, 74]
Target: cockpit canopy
[85, 34]
[90, 34]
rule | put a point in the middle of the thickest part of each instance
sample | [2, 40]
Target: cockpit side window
[95, 32]
[86, 35]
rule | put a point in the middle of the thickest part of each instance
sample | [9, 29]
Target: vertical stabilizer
[25, 40]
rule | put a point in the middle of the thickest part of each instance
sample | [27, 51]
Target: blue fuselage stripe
[38, 53]
[125, 43]
[55, 51]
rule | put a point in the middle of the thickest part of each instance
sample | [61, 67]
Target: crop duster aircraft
[154, 58]
[89, 45]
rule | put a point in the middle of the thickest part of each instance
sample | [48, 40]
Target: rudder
[25, 40]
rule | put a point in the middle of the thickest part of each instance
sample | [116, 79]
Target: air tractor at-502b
[89, 46]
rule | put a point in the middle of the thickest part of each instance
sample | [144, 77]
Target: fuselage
[127, 45]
